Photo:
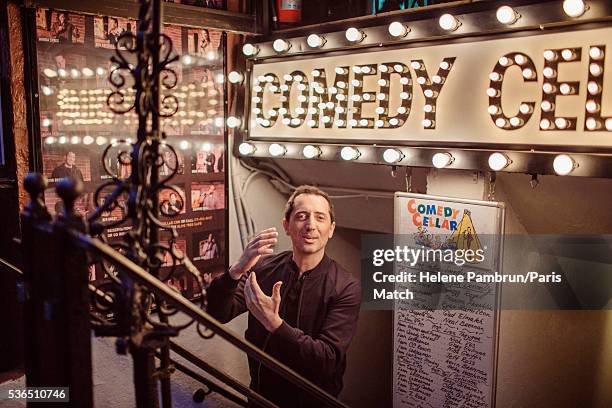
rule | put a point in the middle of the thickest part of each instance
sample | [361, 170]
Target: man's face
[61, 18]
[70, 159]
[310, 225]
[172, 199]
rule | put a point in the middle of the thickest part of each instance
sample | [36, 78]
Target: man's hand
[260, 245]
[264, 308]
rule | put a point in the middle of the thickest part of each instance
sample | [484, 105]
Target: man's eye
[301, 217]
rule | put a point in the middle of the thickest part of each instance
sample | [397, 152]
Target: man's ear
[286, 226]
[331, 229]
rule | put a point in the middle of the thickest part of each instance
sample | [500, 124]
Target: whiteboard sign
[445, 356]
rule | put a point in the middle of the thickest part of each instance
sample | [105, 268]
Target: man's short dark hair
[305, 189]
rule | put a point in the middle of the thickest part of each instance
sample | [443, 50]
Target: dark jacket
[328, 308]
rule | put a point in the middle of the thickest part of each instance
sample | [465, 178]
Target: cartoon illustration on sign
[465, 237]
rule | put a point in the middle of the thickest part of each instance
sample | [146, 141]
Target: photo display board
[444, 340]
[76, 126]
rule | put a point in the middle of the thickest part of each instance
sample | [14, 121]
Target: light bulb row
[563, 164]
[505, 15]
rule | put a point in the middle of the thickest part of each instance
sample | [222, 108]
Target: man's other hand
[260, 245]
[264, 308]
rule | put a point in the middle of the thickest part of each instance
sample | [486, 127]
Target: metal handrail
[141, 276]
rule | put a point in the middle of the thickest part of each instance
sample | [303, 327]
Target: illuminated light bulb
[392, 156]
[383, 68]
[592, 124]
[341, 84]
[330, 105]
[609, 124]
[246, 149]
[595, 69]
[352, 122]
[528, 73]
[381, 96]
[593, 88]
[354, 35]
[46, 90]
[404, 95]
[441, 160]
[363, 122]
[562, 123]
[235, 77]
[565, 88]
[62, 140]
[184, 145]
[277, 150]
[340, 97]
[256, 99]
[50, 73]
[398, 68]
[250, 50]
[401, 110]
[404, 80]
[256, 111]
[574, 8]
[428, 108]
[492, 92]
[281, 45]
[416, 65]
[62, 72]
[349, 153]
[596, 53]
[49, 140]
[507, 15]
[286, 121]
[233, 122]
[356, 98]
[550, 55]
[322, 105]
[356, 82]
[75, 73]
[340, 71]
[380, 110]
[437, 79]
[46, 122]
[339, 122]
[504, 61]
[311, 123]
[315, 73]
[299, 111]
[525, 108]
[493, 109]
[500, 122]
[545, 124]
[382, 82]
[262, 78]
[270, 78]
[284, 87]
[273, 88]
[499, 161]
[548, 72]
[257, 88]
[75, 140]
[394, 121]
[296, 121]
[302, 98]
[357, 69]
[495, 76]
[333, 90]
[567, 54]
[564, 165]
[266, 123]
[448, 22]
[592, 106]
[311, 151]
[367, 97]
[87, 72]
[339, 109]
[315, 41]
[548, 88]
[366, 70]
[445, 65]
[427, 123]
[379, 123]
[516, 121]
[520, 59]
[326, 119]
[398, 30]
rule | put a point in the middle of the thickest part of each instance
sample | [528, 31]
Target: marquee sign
[540, 90]
[534, 90]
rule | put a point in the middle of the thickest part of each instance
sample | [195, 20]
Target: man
[173, 206]
[64, 30]
[209, 248]
[310, 318]
[67, 169]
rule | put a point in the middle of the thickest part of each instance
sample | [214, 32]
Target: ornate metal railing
[57, 253]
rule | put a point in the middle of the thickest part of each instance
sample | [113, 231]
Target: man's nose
[310, 221]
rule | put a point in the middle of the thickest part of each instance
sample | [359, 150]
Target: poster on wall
[76, 126]
[444, 334]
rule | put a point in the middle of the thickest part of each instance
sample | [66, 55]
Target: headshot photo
[67, 165]
[172, 202]
[207, 196]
